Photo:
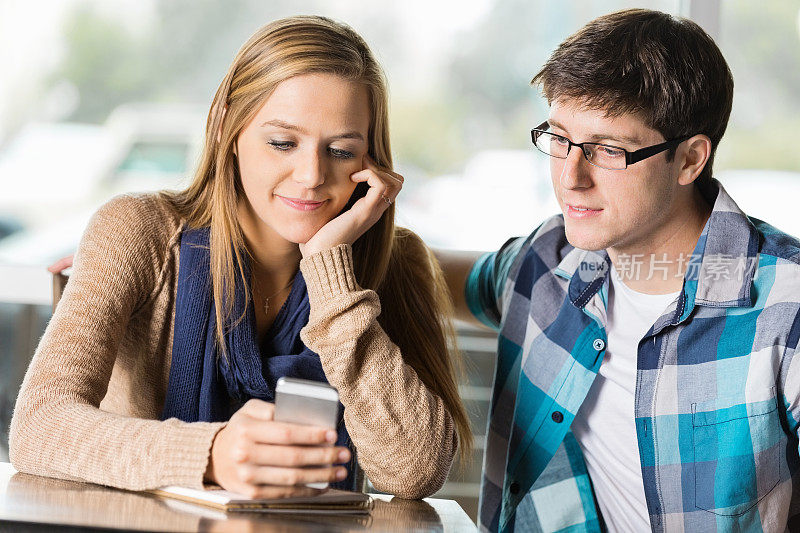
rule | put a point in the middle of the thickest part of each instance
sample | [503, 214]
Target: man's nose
[575, 170]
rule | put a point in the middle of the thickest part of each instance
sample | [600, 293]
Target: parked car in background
[8, 226]
[54, 176]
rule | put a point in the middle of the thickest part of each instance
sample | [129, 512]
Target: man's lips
[301, 204]
[581, 211]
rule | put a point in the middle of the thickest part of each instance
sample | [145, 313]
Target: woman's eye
[281, 145]
[341, 154]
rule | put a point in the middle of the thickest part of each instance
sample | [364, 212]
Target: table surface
[38, 500]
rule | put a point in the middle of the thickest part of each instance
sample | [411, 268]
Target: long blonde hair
[418, 316]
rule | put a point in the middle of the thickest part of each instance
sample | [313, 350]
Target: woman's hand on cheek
[384, 186]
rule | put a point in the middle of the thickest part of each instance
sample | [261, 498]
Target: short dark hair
[664, 69]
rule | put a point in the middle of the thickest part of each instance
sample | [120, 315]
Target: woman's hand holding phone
[384, 186]
[260, 458]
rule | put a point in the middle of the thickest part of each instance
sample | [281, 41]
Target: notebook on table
[329, 502]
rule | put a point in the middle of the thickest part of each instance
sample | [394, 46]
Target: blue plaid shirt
[717, 400]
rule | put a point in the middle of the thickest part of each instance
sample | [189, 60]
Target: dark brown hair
[664, 69]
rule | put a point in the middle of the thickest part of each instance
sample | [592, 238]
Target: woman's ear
[693, 158]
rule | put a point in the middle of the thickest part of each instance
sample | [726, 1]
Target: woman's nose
[310, 170]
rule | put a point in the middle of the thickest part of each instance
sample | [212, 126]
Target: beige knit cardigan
[90, 403]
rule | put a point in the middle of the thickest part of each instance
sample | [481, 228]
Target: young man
[646, 377]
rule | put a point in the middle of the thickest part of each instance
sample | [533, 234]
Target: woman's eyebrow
[278, 123]
[288, 126]
[349, 135]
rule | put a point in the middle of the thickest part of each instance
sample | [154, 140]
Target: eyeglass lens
[600, 155]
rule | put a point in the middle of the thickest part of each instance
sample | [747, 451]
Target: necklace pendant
[266, 306]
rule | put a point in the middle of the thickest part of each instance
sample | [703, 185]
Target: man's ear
[693, 156]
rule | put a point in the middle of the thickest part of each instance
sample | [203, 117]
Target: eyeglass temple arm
[644, 153]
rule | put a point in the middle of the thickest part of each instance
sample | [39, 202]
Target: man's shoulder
[775, 243]
[778, 264]
[546, 247]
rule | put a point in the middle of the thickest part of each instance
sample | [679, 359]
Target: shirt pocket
[737, 453]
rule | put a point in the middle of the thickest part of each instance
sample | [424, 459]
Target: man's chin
[585, 241]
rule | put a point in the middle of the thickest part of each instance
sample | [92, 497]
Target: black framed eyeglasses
[600, 155]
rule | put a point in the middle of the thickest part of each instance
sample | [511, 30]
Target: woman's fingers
[259, 409]
[387, 182]
[370, 164]
[383, 187]
[263, 432]
[379, 186]
[275, 475]
[251, 426]
[293, 456]
[272, 491]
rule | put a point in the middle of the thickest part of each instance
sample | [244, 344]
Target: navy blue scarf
[203, 386]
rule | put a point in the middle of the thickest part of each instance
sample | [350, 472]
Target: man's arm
[790, 377]
[456, 265]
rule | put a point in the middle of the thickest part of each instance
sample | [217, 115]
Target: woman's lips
[299, 204]
[580, 211]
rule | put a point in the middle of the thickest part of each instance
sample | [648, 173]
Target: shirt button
[514, 487]
[599, 344]
[557, 417]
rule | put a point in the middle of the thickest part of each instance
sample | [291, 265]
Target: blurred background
[103, 97]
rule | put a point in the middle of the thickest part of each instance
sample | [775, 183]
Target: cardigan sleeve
[58, 429]
[404, 436]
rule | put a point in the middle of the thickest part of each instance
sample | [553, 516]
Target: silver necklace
[266, 300]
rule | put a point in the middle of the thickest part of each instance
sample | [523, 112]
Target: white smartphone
[311, 403]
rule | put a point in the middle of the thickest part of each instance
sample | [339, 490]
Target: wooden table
[33, 503]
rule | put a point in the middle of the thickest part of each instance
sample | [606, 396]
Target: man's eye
[281, 145]
[560, 140]
[610, 151]
[341, 154]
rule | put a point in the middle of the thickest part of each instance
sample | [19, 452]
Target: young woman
[280, 259]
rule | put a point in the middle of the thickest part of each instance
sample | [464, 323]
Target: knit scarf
[203, 385]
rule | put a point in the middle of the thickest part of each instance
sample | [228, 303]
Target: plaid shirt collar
[728, 239]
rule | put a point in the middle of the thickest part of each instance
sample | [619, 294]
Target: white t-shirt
[605, 426]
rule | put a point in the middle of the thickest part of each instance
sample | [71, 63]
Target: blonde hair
[385, 258]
